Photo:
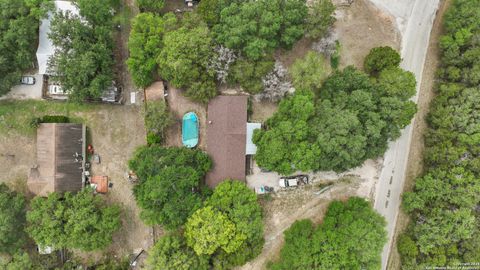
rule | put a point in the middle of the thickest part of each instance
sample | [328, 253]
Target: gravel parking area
[23, 91]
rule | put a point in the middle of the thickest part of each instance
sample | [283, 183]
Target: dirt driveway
[116, 132]
[362, 27]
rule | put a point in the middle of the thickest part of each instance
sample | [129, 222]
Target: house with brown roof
[227, 142]
[60, 164]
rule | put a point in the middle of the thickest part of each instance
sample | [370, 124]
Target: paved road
[414, 47]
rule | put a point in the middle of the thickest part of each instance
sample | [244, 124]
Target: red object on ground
[101, 183]
[90, 149]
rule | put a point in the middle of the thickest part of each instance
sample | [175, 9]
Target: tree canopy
[150, 5]
[444, 202]
[350, 120]
[157, 119]
[83, 62]
[171, 181]
[320, 18]
[171, 253]
[351, 236]
[19, 22]
[145, 43]
[12, 220]
[63, 222]
[257, 27]
[309, 72]
[229, 227]
[184, 61]
[380, 58]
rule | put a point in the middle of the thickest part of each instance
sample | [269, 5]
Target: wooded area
[444, 230]
[351, 236]
[340, 124]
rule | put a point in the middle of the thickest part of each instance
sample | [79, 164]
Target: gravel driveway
[23, 91]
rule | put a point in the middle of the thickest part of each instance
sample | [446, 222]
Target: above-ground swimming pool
[190, 130]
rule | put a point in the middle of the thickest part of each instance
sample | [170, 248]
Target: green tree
[172, 253]
[21, 260]
[150, 5]
[208, 229]
[63, 222]
[86, 212]
[296, 252]
[145, 44]
[380, 58]
[407, 247]
[351, 236]
[256, 28]
[167, 178]
[184, 61]
[309, 72]
[284, 145]
[19, 22]
[240, 204]
[350, 120]
[157, 118]
[46, 221]
[320, 18]
[12, 220]
[249, 74]
[83, 63]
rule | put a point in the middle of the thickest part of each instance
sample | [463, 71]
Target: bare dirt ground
[415, 158]
[17, 155]
[362, 27]
[262, 111]
[179, 105]
[116, 132]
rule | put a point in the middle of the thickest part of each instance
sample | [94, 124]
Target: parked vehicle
[264, 189]
[28, 80]
[293, 181]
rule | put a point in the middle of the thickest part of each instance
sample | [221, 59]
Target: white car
[55, 89]
[29, 80]
[293, 181]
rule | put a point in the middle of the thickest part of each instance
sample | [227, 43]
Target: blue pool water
[190, 130]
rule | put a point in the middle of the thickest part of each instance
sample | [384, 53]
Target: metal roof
[251, 148]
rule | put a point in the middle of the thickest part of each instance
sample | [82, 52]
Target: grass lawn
[16, 116]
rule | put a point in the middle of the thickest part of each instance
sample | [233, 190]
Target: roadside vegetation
[19, 22]
[443, 205]
[339, 123]
[351, 236]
